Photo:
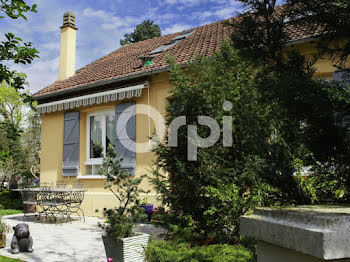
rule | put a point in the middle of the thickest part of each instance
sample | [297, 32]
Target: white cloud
[176, 28]
[40, 73]
[184, 2]
[225, 11]
[51, 46]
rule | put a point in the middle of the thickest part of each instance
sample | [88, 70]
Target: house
[80, 110]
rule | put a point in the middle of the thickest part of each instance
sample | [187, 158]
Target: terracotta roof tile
[125, 62]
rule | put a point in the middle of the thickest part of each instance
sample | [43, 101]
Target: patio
[76, 241]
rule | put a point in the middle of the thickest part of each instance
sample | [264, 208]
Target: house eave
[302, 40]
[59, 94]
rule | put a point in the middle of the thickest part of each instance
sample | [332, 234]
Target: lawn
[5, 212]
[6, 259]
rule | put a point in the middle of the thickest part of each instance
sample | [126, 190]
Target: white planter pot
[129, 249]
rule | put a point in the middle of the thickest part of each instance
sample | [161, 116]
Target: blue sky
[102, 23]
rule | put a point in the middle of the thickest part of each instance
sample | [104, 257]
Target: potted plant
[148, 208]
[121, 242]
[3, 230]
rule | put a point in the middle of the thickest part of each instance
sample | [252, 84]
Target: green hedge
[162, 251]
[10, 200]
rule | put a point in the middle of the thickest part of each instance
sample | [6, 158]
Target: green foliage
[123, 185]
[119, 226]
[31, 140]
[10, 200]
[332, 15]
[206, 197]
[125, 188]
[20, 135]
[310, 116]
[161, 251]
[259, 36]
[16, 8]
[13, 49]
[11, 103]
[146, 30]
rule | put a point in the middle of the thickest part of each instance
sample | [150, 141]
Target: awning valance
[97, 98]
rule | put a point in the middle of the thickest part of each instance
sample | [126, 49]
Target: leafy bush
[207, 197]
[311, 116]
[10, 200]
[121, 225]
[161, 251]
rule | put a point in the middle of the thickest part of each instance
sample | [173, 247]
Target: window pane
[96, 148]
[110, 130]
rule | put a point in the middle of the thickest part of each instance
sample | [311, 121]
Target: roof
[125, 61]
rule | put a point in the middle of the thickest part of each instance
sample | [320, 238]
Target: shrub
[161, 251]
[206, 197]
[10, 200]
[125, 188]
[121, 225]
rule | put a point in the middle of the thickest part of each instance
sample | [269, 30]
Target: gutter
[303, 40]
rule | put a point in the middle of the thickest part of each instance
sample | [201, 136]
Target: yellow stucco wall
[98, 198]
[323, 66]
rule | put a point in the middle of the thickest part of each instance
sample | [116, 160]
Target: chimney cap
[69, 19]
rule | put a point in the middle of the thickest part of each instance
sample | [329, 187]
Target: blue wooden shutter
[70, 165]
[126, 121]
[342, 76]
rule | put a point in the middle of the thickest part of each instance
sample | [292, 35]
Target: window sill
[91, 177]
[96, 161]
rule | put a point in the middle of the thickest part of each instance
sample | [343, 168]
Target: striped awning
[87, 100]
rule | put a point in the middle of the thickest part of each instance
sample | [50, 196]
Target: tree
[31, 144]
[310, 115]
[259, 35]
[12, 115]
[20, 134]
[206, 197]
[11, 104]
[329, 19]
[126, 189]
[13, 49]
[146, 30]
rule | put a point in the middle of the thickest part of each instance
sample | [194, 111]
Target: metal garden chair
[74, 204]
[30, 201]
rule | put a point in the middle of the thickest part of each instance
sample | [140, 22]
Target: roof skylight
[173, 42]
[295, 17]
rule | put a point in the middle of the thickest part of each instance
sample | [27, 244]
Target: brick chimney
[67, 48]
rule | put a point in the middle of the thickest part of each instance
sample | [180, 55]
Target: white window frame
[104, 113]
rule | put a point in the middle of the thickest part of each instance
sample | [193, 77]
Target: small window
[162, 48]
[101, 133]
[173, 42]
